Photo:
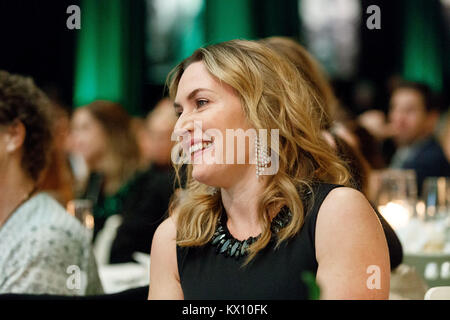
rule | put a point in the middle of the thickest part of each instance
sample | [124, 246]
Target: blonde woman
[338, 135]
[310, 70]
[258, 235]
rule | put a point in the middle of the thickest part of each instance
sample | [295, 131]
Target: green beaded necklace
[229, 246]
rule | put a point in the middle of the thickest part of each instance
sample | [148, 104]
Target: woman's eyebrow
[194, 92]
[191, 96]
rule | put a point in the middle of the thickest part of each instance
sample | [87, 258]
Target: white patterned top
[45, 250]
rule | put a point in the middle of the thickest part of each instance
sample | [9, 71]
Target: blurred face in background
[158, 129]
[88, 137]
[408, 116]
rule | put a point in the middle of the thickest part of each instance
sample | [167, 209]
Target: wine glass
[436, 197]
[397, 196]
[82, 210]
[436, 206]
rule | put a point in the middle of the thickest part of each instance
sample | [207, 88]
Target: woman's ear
[15, 136]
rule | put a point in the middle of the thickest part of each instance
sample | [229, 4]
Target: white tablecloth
[123, 276]
[425, 237]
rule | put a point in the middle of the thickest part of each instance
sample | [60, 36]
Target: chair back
[438, 293]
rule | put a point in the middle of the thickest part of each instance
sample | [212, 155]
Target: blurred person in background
[148, 200]
[159, 127]
[58, 179]
[309, 68]
[39, 240]
[138, 126]
[102, 134]
[443, 132]
[375, 122]
[352, 143]
[412, 117]
[445, 137]
[338, 120]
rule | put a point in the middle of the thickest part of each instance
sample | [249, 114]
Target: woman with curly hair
[340, 135]
[232, 234]
[39, 240]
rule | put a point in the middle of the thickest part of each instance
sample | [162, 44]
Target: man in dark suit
[412, 117]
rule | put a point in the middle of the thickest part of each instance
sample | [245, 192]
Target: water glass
[82, 210]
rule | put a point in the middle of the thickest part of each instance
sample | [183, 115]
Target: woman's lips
[197, 149]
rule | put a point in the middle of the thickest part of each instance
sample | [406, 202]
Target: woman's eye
[201, 102]
[178, 112]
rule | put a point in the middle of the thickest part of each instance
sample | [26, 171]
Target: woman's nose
[189, 122]
[187, 127]
[182, 131]
[183, 125]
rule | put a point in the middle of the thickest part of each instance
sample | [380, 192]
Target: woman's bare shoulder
[167, 230]
[346, 203]
[344, 208]
[164, 278]
[349, 240]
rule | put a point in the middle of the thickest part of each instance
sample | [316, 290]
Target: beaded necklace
[229, 246]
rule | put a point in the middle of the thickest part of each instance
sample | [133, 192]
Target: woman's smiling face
[208, 105]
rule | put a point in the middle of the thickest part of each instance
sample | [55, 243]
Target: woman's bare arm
[164, 278]
[351, 248]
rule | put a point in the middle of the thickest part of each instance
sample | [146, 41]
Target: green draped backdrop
[109, 56]
[423, 46]
[110, 46]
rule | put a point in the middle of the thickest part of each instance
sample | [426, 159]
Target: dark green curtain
[109, 61]
[110, 65]
[275, 18]
[216, 21]
[423, 46]
[192, 35]
[250, 19]
[230, 19]
[109, 53]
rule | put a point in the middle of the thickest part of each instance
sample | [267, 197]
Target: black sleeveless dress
[272, 274]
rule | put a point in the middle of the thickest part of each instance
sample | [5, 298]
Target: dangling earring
[262, 158]
[212, 190]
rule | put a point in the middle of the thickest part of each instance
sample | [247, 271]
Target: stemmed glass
[436, 199]
[397, 196]
[82, 210]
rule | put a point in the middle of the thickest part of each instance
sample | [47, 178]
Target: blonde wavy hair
[274, 95]
[310, 69]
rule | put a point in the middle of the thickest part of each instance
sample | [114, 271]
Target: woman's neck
[241, 205]
[15, 188]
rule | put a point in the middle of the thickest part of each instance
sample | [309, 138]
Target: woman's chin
[203, 173]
